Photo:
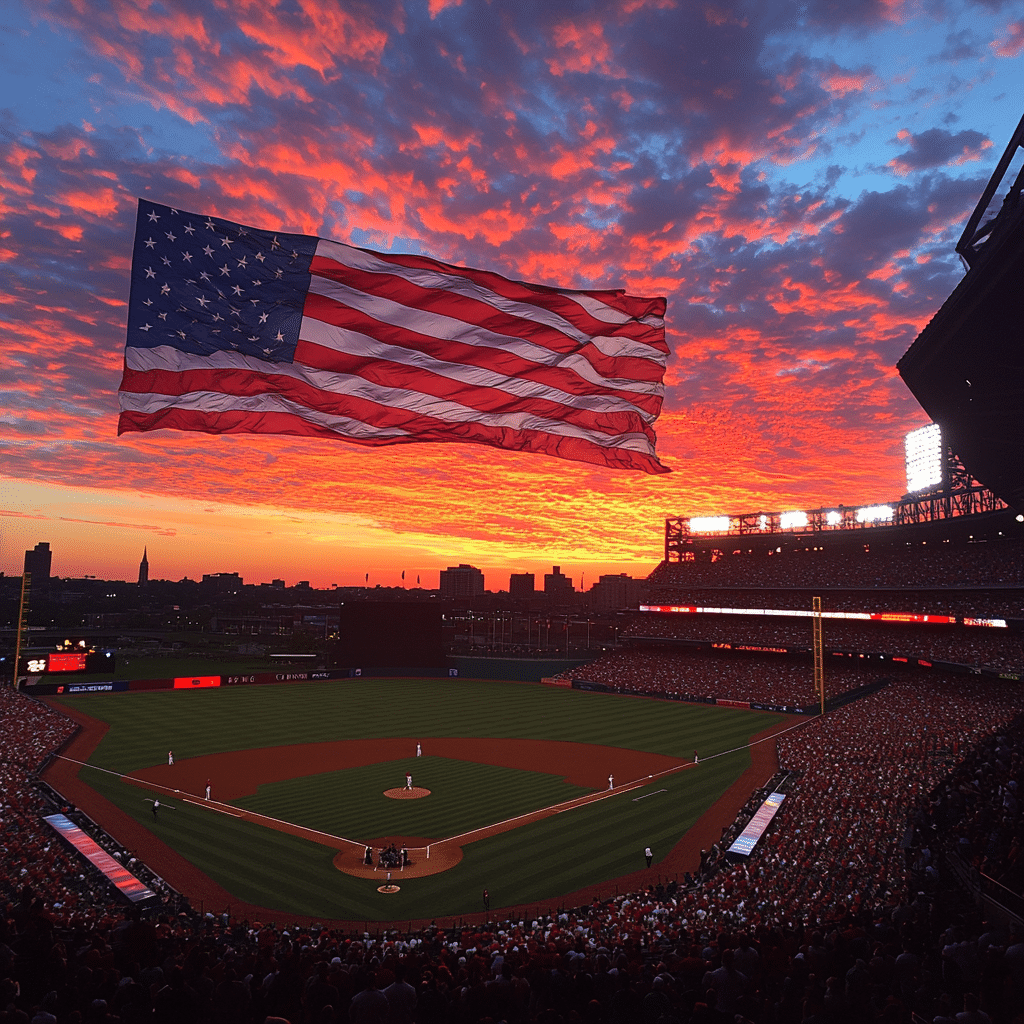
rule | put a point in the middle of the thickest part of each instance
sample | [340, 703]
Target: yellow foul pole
[26, 585]
[819, 660]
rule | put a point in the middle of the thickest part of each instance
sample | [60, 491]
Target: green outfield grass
[534, 864]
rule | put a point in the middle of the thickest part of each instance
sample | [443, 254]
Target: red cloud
[496, 225]
[584, 50]
[1012, 45]
[435, 135]
[840, 81]
[435, 7]
[102, 202]
[316, 38]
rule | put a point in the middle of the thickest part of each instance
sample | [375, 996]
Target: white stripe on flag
[340, 339]
[437, 325]
[413, 402]
[360, 259]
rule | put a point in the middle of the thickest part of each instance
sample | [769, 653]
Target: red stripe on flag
[480, 313]
[246, 384]
[322, 357]
[491, 357]
[240, 422]
[538, 295]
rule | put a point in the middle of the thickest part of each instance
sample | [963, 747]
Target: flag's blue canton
[202, 285]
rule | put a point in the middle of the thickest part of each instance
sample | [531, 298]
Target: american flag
[235, 329]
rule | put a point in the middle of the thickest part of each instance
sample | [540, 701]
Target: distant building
[37, 562]
[222, 583]
[458, 581]
[610, 593]
[521, 584]
[556, 585]
[144, 568]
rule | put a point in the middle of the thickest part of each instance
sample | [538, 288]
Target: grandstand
[932, 582]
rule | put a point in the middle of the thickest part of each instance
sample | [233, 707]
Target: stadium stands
[695, 676]
[842, 913]
[994, 648]
[861, 903]
[944, 574]
[935, 566]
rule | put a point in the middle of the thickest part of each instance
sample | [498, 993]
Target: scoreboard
[42, 663]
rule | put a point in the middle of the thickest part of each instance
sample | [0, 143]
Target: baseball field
[510, 792]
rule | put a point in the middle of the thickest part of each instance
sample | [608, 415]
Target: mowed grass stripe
[464, 796]
[299, 873]
[606, 840]
[145, 725]
[529, 864]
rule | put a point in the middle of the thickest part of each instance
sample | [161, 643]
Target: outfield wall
[524, 670]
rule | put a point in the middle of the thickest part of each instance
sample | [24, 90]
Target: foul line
[502, 826]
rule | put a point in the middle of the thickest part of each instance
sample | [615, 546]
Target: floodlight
[833, 518]
[709, 524]
[874, 514]
[763, 522]
[924, 458]
[793, 520]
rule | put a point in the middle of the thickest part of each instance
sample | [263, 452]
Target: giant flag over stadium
[233, 329]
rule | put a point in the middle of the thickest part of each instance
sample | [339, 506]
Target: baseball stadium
[461, 825]
[789, 792]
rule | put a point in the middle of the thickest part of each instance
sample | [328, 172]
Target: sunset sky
[792, 176]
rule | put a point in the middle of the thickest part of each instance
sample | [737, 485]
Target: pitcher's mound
[416, 793]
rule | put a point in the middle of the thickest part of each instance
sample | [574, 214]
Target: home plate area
[442, 857]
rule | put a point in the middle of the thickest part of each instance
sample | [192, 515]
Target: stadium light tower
[925, 462]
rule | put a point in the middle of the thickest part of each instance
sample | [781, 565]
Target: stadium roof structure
[966, 367]
[972, 514]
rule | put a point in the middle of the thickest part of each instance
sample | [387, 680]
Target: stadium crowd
[843, 913]
[916, 566]
[1001, 649]
[686, 674]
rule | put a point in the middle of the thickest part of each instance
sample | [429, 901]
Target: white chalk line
[559, 808]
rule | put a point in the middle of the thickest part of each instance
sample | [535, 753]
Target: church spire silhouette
[144, 568]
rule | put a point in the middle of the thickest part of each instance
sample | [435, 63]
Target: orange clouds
[495, 226]
[102, 202]
[318, 37]
[583, 49]
[733, 163]
[435, 135]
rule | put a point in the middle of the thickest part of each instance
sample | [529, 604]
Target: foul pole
[819, 661]
[26, 586]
